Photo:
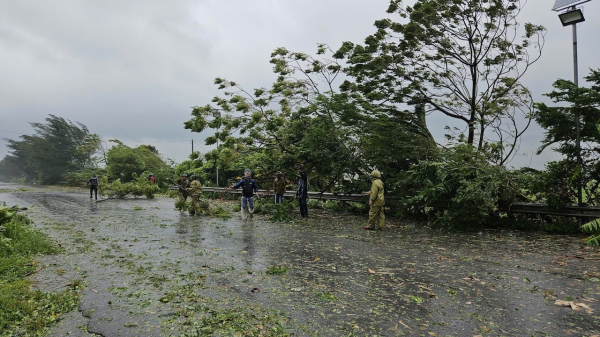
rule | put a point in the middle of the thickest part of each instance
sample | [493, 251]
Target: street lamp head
[571, 17]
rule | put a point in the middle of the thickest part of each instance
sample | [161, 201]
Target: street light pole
[577, 126]
[571, 17]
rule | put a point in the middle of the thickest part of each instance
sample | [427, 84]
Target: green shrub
[277, 212]
[460, 191]
[137, 187]
[80, 178]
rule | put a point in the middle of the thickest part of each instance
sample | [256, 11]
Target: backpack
[94, 181]
[247, 189]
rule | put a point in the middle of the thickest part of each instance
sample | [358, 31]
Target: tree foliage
[462, 188]
[461, 58]
[559, 183]
[124, 162]
[303, 119]
[58, 146]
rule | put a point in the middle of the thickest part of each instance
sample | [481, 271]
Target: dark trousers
[303, 207]
[92, 190]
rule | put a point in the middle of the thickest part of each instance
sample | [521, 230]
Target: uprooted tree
[303, 118]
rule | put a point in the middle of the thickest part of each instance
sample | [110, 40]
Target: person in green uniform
[184, 183]
[376, 202]
[195, 190]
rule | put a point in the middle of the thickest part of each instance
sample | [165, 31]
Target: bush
[460, 191]
[137, 187]
[277, 212]
[80, 178]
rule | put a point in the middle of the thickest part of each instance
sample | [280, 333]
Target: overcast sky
[132, 70]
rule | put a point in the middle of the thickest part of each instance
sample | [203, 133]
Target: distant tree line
[61, 151]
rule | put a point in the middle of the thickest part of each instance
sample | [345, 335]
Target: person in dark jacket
[249, 189]
[279, 187]
[302, 194]
[93, 182]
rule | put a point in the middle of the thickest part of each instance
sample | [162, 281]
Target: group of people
[193, 188]
[249, 190]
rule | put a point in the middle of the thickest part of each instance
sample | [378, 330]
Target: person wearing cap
[93, 182]
[376, 202]
[279, 187]
[249, 189]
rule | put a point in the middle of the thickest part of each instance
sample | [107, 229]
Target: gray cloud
[133, 69]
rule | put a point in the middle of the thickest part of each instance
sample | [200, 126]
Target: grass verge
[26, 312]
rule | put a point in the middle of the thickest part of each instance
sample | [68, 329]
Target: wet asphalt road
[149, 270]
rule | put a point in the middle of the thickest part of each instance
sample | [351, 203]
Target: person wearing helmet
[94, 183]
[184, 183]
[279, 187]
[195, 190]
[376, 202]
[249, 189]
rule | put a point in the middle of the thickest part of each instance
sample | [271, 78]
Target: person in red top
[152, 179]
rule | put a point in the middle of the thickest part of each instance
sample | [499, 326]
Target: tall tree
[303, 118]
[561, 133]
[126, 163]
[58, 146]
[461, 58]
[295, 121]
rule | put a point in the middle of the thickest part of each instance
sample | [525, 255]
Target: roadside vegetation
[23, 311]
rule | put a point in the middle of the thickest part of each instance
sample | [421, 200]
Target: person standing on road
[94, 183]
[184, 183]
[249, 189]
[376, 202]
[302, 193]
[279, 187]
[195, 190]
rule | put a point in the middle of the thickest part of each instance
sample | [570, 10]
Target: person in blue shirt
[249, 189]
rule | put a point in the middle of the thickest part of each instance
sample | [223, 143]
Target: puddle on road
[153, 271]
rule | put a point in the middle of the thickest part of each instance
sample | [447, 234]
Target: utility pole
[192, 148]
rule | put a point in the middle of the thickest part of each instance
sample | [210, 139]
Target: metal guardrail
[569, 211]
[528, 208]
[291, 194]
